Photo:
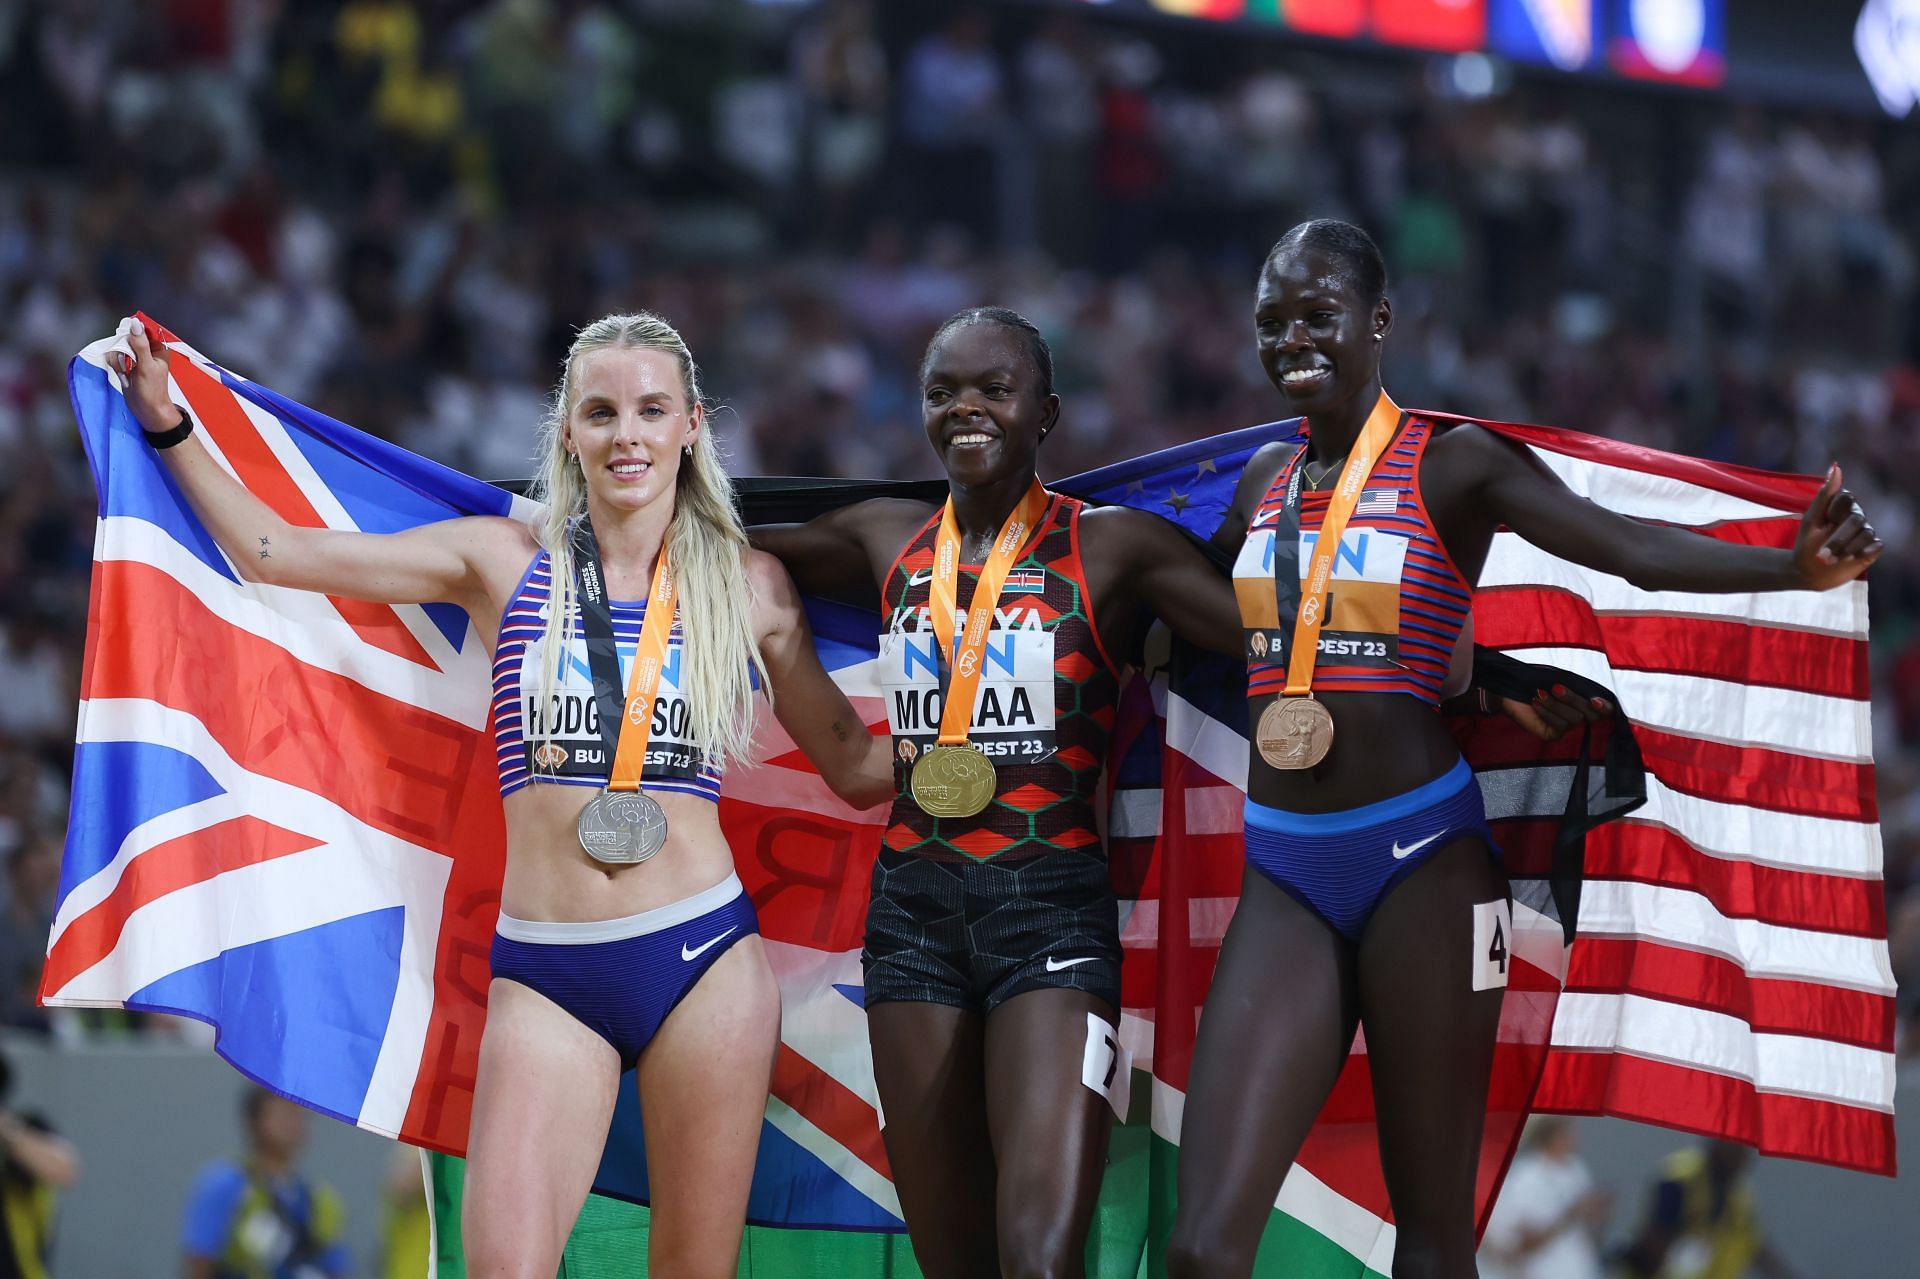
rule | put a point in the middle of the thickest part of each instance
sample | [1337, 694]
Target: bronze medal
[1294, 732]
[622, 828]
[952, 781]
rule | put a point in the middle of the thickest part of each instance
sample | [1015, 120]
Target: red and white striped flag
[1730, 971]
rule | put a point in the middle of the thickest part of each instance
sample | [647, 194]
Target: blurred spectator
[38, 704]
[1060, 105]
[1727, 222]
[406, 1233]
[257, 1217]
[952, 105]
[1549, 1215]
[845, 86]
[33, 880]
[1700, 1221]
[35, 1165]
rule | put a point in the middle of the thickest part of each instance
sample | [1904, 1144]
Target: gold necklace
[1327, 469]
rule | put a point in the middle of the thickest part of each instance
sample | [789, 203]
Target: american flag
[1377, 502]
[1731, 966]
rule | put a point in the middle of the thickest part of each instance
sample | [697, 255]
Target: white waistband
[586, 932]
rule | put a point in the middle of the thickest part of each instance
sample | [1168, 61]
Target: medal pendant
[952, 781]
[622, 828]
[1294, 732]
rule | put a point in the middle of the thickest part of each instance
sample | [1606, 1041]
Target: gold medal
[953, 777]
[952, 781]
[1294, 732]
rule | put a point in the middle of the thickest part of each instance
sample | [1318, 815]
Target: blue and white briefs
[621, 977]
[1342, 865]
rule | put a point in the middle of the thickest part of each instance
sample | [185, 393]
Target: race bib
[1363, 601]
[1362, 627]
[577, 748]
[1013, 711]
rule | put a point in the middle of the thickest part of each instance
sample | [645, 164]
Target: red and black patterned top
[1043, 712]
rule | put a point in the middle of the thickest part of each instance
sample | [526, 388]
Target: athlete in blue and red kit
[1370, 874]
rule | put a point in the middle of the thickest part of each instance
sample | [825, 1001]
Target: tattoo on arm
[840, 730]
[264, 544]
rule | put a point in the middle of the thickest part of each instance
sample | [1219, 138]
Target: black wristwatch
[167, 439]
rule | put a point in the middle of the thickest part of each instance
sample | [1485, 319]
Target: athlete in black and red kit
[993, 939]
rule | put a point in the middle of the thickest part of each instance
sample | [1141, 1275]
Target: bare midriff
[550, 877]
[1384, 744]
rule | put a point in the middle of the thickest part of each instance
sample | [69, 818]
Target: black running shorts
[975, 934]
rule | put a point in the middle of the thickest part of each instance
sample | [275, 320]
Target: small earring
[687, 450]
[1378, 336]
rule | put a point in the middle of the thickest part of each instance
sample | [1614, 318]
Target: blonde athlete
[619, 958]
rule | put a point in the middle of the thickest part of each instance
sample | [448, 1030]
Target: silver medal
[622, 828]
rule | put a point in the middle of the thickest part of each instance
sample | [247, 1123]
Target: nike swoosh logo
[691, 953]
[1411, 849]
[1054, 967]
[921, 578]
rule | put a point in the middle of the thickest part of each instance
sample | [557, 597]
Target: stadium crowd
[397, 210]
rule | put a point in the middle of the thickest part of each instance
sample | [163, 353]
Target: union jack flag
[221, 866]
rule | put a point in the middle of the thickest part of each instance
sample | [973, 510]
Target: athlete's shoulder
[773, 599]
[1458, 434]
[1123, 526]
[1466, 449]
[887, 516]
[497, 535]
[1272, 455]
[1261, 470]
[886, 526]
[498, 551]
[767, 577]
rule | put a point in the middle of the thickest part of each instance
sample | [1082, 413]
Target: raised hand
[1836, 544]
[146, 375]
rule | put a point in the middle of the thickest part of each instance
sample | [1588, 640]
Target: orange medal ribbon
[643, 682]
[956, 713]
[1372, 442]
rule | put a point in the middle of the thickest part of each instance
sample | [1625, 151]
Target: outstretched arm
[856, 764]
[434, 562]
[1140, 564]
[1835, 545]
[843, 553]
